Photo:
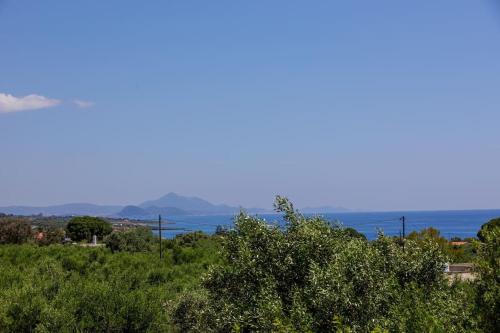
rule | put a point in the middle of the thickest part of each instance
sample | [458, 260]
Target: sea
[456, 223]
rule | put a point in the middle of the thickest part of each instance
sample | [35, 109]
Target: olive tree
[313, 275]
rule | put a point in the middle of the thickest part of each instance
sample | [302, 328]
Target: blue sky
[380, 105]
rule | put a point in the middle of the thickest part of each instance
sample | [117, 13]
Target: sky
[374, 105]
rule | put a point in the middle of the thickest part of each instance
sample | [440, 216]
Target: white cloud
[9, 103]
[83, 104]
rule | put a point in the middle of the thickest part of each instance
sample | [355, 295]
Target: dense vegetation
[134, 240]
[60, 288]
[455, 253]
[488, 283]
[14, 230]
[84, 227]
[311, 276]
[307, 276]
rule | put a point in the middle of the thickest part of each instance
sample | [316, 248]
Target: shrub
[50, 236]
[133, 240]
[14, 230]
[190, 239]
[487, 267]
[84, 289]
[489, 226]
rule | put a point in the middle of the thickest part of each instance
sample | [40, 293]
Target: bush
[84, 227]
[487, 267]
[84, 289]
[50, 236]
[487, 227]
[190, 239]
[133, 240]
[14, 230]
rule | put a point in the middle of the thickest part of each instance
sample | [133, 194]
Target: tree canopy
[307, 275]
[488, 270]
[489, 226]
[311, 275]
[84, 227]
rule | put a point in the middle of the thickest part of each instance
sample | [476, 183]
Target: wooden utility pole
[403, 219]
[159, 232]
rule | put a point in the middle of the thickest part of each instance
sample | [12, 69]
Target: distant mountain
[193, 205]
[167, 211]
[63, 210]
[170, 204]
[132, 211]
[150, 212]
[324, 210]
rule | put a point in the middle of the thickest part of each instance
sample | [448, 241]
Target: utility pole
[403, 219]
[159, 231]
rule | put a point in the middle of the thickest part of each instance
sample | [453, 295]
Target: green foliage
[14, 230]
[487, 267]
[84, 227]
[487, 227]
[133, 240]
[462, 253]
[190, 239]
[70, 288]
[312, 276]
[185, 247]
[189, 311]
[353, 233]
[429, 234]
[307, 276]
[50, 236]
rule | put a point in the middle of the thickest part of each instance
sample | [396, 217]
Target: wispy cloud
[83, 104]
[9, 103]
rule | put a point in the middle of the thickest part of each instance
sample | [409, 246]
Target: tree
[310, 275]
[14, 230]
[84, 227]
[354, 233]
[428, 234]
[485, 228]
[454, 253]
[487, 267]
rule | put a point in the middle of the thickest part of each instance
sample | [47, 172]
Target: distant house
[462, 271]
[39, 235]
[457, 243]
[461, 268]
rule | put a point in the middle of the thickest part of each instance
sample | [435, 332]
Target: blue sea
[460, 223]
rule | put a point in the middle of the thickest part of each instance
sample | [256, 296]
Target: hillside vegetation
[307, 276]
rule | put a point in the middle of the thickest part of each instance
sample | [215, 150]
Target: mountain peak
[189, 204]
[171, 194]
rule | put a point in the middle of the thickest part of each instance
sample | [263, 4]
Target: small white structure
[94, 240]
